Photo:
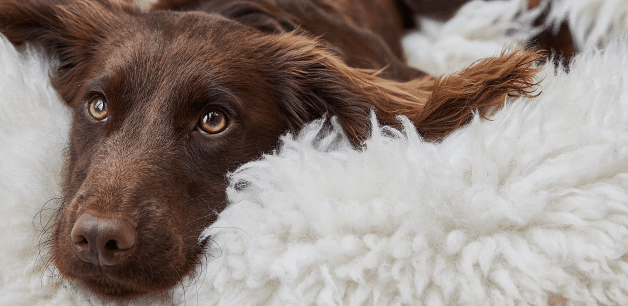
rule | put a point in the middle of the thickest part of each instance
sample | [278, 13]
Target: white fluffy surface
[480, 29]
[528, 208]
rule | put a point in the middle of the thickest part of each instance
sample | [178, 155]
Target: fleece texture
[524, 209]
[528, 208]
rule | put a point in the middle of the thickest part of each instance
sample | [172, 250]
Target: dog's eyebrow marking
[229, 93]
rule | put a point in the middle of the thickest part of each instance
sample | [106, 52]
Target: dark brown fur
[269, 66]
[557, 40]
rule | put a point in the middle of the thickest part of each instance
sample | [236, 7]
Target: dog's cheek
[84, 140]
[205, 192]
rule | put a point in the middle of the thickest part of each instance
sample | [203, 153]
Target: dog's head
[164, 105]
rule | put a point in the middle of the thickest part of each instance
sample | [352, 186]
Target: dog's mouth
[119, 284]
[112, 288]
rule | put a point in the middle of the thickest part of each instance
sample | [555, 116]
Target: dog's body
[166, 103]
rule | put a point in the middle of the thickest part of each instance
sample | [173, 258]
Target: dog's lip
[105, 276]
[115, 283]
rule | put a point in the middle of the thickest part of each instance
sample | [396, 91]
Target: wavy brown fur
[318, 82]
[452, 100]
[479, 87]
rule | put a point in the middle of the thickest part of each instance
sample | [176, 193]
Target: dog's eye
[213, 122]
[97, 108]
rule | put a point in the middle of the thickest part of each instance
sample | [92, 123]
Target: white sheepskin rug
[529, 208]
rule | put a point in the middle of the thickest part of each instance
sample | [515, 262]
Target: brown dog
[167, 102]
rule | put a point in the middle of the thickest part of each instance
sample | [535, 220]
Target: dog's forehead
[167, 51]
[175, 41]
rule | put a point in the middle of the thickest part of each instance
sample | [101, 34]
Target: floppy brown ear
[68, 30]
[313, 82]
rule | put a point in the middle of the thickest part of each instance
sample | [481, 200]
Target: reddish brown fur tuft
[480, 88]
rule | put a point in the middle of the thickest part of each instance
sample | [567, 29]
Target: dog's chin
[111, 288]
[114, 284]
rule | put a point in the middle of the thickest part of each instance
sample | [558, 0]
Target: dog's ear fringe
[480, 87]
[439, 106]
[316, 82]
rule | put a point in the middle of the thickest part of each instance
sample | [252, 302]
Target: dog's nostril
[102, 241]
[111, 245]
[81, 241]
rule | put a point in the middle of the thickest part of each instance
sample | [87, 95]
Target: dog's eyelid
[222, 106]
[94, 92]
[227, 104]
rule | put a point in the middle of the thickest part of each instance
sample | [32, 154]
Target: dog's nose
[103, 241]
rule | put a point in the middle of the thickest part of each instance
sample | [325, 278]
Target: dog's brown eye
[213, 122]
[98, 108]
